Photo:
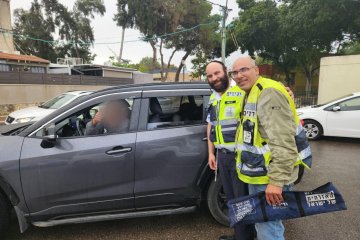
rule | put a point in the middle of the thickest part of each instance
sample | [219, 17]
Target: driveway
[335, 159]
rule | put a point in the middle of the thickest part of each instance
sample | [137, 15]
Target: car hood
[304, 109]
[36, 112]
[8, 129]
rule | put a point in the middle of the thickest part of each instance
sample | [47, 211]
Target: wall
[339, 76]
[30, 93]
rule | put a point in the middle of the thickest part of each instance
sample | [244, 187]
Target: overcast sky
[106, 33]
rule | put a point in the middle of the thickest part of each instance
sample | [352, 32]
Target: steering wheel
[80, 127]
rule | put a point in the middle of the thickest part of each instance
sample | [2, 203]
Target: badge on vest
[233, 94]
[248, 130]
[229, 112]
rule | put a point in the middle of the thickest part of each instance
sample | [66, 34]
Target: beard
[223, 86]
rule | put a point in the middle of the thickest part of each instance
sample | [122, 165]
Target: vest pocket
[229, 136]
[252, 164]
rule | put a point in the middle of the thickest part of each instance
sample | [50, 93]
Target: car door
[344, 120]
[81, 174]
[171, 148]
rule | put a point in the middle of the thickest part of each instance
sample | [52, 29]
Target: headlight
[24, 120]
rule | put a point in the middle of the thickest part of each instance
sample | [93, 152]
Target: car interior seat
[155, 109]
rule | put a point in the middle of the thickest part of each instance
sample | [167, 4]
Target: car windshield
[334, 100]
[57, 102]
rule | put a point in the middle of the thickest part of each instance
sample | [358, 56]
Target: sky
[108, 35]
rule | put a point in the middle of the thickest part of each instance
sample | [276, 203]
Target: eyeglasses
[233, 74]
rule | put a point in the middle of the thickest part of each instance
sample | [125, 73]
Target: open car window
[110, 117]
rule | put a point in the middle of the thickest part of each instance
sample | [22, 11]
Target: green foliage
[50, 17]
[156, 18]
[146, 64]
[32, 23]
[295, 33]
[350, 48]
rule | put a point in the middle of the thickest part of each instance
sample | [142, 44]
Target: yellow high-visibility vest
[225, 116]
[253, 152]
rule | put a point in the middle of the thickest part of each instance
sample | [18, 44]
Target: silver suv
[56, 171]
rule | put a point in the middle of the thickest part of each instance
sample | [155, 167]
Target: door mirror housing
[49, 136]
[336, 108]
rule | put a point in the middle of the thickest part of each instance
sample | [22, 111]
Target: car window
[110, 117]
[175, 111]
[350, 105]
[58, 101]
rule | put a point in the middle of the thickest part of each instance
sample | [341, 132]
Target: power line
[99, 43]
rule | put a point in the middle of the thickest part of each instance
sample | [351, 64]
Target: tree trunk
[168, 65]
[181, 66]
[308, 75]
[162, 61]
[122, 44]
[152, 43]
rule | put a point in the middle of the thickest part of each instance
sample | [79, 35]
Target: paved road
[336, 160]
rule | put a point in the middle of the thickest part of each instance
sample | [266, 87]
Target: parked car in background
[340, 118]
[35, 113]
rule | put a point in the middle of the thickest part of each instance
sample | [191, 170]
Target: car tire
[216, 201]
[313, 129]
[4, 215]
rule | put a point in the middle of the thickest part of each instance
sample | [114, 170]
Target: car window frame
[330, 108]
[144, 111]
[92, 102]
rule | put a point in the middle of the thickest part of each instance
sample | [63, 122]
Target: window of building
[4, 67]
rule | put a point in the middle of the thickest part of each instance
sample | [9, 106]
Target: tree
[125, 19]
[32, 23]
[73, 27]
[164, 24]
[296, 33]
[203, 38]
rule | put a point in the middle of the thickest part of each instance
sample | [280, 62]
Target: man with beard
[225, 106]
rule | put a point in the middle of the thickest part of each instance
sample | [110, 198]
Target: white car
[38, 112]
[340, 118]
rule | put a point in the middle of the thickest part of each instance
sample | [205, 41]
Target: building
[22, 63]
[183, 76]
[339, 76]
[6, 39]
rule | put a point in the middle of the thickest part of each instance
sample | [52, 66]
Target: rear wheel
[4, 215]
[313, 129]
[216, 201]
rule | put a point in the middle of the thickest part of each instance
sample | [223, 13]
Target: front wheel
[313, 129]
[4, 215]
[216, 201]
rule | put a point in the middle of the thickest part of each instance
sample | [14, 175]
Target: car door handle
[204, 139]
[117, 150]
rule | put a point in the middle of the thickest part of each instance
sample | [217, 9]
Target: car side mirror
[336, 108]
[49, 136]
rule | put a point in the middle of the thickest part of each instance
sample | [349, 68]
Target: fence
[303, 99]
[58, 79]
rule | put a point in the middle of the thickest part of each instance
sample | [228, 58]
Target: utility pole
[225, 11]
[223, 32]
